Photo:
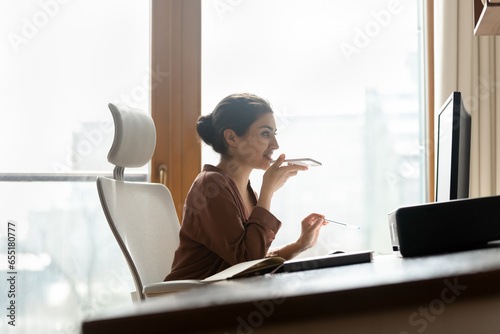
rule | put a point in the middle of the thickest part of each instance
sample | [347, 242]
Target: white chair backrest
[135, 137]
[141, 215]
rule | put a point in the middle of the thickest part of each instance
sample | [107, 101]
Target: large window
[344, 78]
[345, 81]
[62, 62]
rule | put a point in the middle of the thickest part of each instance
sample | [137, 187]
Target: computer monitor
[453, 150]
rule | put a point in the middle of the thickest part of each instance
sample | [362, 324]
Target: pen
[343, 224]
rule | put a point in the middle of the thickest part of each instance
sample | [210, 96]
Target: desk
[451, 293]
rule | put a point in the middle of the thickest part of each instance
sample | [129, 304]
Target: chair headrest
[135, 137]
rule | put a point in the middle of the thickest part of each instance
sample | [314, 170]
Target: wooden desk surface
[391, 294]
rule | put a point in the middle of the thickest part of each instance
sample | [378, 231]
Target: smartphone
[308, 162]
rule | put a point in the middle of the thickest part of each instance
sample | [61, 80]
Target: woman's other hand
[311, 225]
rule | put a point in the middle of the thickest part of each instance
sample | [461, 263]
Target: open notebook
[278, 264]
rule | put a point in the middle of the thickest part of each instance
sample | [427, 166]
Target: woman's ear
[231, 137]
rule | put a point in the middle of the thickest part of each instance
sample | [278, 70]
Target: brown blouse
[217, 231]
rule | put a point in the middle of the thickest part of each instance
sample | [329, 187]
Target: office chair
[141, 215]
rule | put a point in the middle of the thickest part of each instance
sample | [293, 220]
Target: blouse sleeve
[219, 225]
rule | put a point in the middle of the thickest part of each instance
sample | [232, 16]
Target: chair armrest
[156, 289]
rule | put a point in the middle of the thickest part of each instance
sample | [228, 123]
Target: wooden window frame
[176, 98]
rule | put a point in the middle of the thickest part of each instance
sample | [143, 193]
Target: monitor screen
[453, 150]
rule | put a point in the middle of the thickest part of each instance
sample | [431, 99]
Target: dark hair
[236, 112]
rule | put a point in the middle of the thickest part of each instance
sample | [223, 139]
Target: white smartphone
[308, 162]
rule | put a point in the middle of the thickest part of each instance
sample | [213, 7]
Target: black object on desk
[326, 261]
[445, 227]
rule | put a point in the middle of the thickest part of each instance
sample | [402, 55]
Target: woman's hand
[276, 175]
[311, 225]
[274, 178]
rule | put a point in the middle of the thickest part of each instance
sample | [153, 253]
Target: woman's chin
[265, 165]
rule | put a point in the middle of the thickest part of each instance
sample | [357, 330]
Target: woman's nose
[274, 144]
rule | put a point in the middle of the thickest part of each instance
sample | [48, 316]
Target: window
[345, 80]
[62, 63]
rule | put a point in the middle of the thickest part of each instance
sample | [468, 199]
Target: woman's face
[256, 147]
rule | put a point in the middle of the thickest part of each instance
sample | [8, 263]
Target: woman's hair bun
[205, 129]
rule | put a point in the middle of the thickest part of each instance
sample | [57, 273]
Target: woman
[224, 222]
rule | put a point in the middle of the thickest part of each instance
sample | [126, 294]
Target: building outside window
[345, 81]
[62, 62]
